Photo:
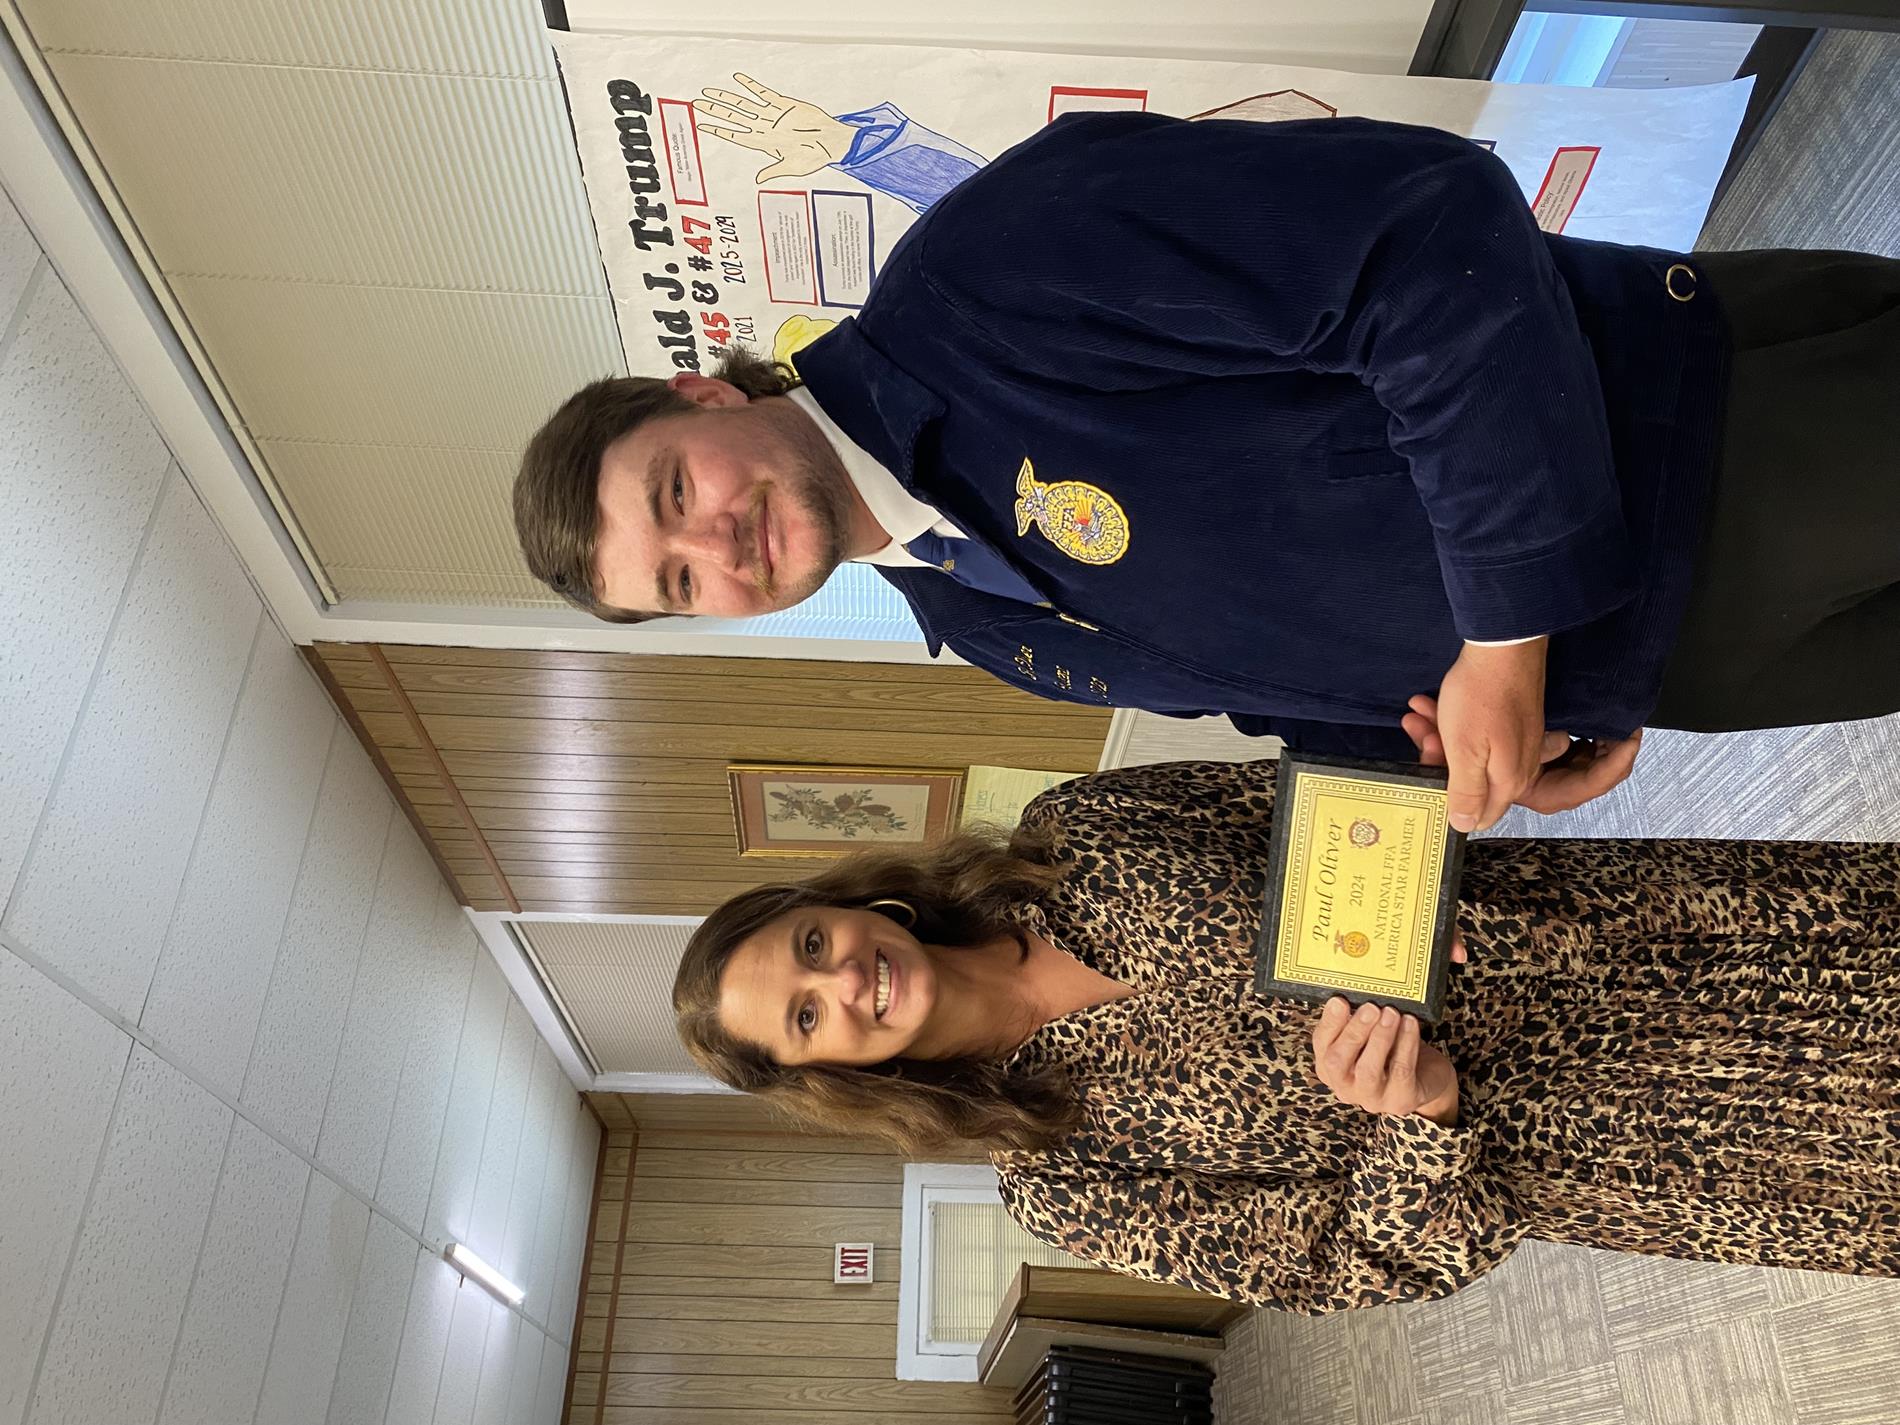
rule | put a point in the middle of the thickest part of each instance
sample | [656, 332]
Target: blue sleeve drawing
[896, 155]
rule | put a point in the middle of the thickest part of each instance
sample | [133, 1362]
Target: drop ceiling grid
[371, 214]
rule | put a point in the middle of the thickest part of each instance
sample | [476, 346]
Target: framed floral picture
[831, 811]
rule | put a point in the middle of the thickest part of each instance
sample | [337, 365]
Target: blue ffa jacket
[1274, 416]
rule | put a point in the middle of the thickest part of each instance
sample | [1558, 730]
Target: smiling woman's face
[832, 986]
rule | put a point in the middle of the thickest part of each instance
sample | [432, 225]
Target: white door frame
[925, 1184]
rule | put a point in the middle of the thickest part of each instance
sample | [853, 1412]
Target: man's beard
[813, 482]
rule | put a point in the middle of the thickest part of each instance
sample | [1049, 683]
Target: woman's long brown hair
[966, 891]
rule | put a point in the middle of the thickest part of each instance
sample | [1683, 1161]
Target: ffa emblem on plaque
[1364, 833]
[1084, 522]
[1352, 942]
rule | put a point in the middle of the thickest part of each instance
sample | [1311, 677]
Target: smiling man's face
[732, 510]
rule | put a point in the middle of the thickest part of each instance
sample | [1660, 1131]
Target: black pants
[1795, 616]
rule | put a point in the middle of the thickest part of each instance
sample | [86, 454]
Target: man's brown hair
[557, 503]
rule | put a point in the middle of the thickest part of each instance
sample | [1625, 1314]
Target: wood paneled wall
[709, 1294]
[597, 782]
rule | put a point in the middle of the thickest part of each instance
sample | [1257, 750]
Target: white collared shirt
[897, 511]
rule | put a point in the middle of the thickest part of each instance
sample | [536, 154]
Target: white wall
[1369, 36]
[1154, 738]
[255, 1067]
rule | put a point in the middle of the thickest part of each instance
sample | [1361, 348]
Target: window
[959, 1253]
[1609, 51]
[856, 602]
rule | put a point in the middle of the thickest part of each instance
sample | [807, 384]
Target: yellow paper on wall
[996, 796]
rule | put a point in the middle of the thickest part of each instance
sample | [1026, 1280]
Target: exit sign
[851, 1262]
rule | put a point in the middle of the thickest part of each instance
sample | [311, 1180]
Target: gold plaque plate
[1362, 887]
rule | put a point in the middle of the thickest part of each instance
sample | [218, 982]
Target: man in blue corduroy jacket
[1307, 424]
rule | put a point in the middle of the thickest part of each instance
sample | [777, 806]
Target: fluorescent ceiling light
[470, 1265]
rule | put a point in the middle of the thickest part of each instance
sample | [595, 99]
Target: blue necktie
[972, 564]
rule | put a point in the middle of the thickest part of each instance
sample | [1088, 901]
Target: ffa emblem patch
[1364, 833]
[1082, 521]
[1353, 942]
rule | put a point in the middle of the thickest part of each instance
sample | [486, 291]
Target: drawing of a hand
[801, 137]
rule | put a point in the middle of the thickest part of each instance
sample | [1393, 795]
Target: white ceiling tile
[499, 1362]
[425, 1341]
[459, 1160]
[294, 1055]
[428, 1073]
[224, 1342]
[383, 1009]
[19, 255]
[584, 1153]
[60, 1067]
[501, 1140]
[381, 1299]
[208, 994]
[125, 1291]
[553, 1383]
[524, 1388]
[141, 762]
[323, 1274]
[80, 470]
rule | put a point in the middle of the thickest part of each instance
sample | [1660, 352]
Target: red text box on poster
[679, 135]
[1069, 99]
[1563, 184]
[791, 260]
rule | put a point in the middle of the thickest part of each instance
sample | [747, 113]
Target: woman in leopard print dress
[1678, 1047]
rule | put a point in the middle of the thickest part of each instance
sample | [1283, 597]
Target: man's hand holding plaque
[1572, 772]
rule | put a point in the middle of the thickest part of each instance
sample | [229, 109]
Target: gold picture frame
[788, 810]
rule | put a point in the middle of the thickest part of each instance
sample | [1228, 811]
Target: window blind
[976, 1250]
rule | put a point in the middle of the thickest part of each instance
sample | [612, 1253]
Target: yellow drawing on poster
[794, 335]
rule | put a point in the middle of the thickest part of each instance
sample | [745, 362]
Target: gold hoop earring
[884, 906]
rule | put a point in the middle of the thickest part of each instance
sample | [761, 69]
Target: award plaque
[1362, 887]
